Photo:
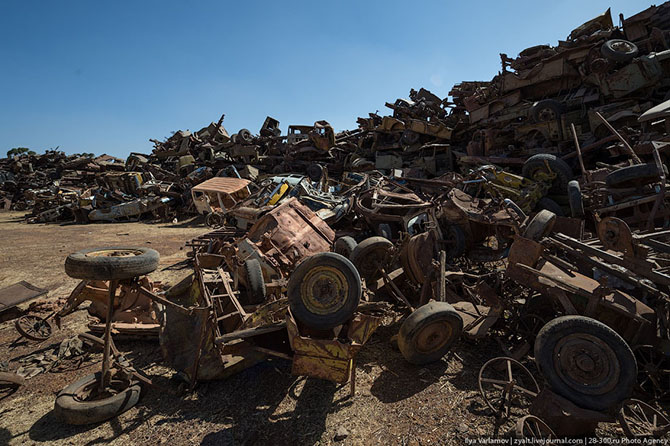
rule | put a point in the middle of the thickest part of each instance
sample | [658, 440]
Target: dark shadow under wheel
[111, 263]
[324, 291]
[550, 205]
[429, 332]
[586, 362]
[256, 292]
[80, 403]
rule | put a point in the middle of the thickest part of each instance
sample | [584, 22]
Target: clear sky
[105, 76]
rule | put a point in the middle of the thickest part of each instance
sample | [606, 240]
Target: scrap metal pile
[531, 210]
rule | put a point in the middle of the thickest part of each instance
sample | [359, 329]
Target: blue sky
[105, 76]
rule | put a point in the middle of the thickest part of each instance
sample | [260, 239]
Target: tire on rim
[547, 110]
[324, 291]
[370, 256]
[77, 404]
[214, 220]
[636, 175]
[429, 332]
[586, 362]
[619, 50]
[345, 246]
[111, 263]
[540, 226]
[256, 292]
[535, 169]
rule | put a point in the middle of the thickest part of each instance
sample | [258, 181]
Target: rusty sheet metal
[19, 293]
[224, 185]
[329, 358]
[291, 231]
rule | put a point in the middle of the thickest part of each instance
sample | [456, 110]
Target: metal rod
[632, 153]
[579, 153]
[105, 379]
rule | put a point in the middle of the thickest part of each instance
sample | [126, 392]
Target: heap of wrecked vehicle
[532, 210]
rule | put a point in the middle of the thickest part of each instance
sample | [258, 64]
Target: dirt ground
[395, 402]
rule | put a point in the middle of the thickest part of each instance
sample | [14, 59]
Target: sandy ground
[395, 402]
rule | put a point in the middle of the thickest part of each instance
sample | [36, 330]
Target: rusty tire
[345, 246]
[214, 220]
[540, 226]
[256, 292]
[111, 263]
[429, 332]
[370, 256]
[547, 110]
[586, 362]
[73, 407]
[324, 291]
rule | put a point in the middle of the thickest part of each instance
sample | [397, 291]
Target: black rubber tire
[456, 235]
[549, 338]
[370, 252]
[336, 309]
[256, 292]
[423, 317]
[540, 226]
[80, 266]
[72, 411]
[315, 172]
[619, 50]
[541, 110]
[635, 175]
[244, 136]
[549, 205]
[345, 246]
[563, 172]
[8, 379]
[575, 199]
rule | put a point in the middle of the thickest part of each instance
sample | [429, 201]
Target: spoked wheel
[528, 326]
[505, 382]
[82, 402]
[34, 327]
[640, 420]
[531, 426]
[653, 371]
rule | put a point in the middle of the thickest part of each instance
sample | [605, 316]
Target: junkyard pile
[532, 208]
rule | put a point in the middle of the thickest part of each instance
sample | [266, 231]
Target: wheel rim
[639, 419]
[622, 47]
[35, 327]
[586, 363]
[115, 253]
[433, 337]
[372, 262]
[324, 290]
[505, 382]
[547, 114]
[653, 371]
[533, 427]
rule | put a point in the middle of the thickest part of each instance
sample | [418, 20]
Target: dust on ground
[395, 402]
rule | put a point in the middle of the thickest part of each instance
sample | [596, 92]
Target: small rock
[341, 433]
